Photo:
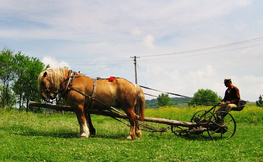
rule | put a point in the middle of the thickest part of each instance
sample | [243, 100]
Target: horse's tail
[140, 102]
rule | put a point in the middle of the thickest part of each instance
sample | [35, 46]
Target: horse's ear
[45, 74]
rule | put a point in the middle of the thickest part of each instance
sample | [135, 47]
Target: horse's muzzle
[48, 95]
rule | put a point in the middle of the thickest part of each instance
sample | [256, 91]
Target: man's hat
[228, 80]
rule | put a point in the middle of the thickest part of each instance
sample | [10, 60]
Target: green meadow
[36, 137]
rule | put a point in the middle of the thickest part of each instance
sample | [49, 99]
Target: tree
[27, 70]
[20, 67]
[35, 67]
[21, 72]
[205, 97]
[260, 101]
[164, 100]
[6, 73]
[1, 92]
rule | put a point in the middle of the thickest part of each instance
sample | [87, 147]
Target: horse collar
[70, 79]
[93, 95]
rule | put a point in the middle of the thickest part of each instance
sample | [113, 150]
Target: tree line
[201, 97]
[18, 76]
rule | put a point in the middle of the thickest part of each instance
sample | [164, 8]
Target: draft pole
[135, 66]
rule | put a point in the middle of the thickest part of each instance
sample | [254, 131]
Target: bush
[204, 97]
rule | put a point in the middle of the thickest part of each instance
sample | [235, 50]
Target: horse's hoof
[93, 132]
[129, 138]
[83, 135]
[139, 134]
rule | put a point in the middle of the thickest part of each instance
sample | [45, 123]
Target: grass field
[35, 137]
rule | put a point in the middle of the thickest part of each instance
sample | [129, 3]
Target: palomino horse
[77, 89]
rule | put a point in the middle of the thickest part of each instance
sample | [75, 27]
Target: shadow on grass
[27, 131]
[202, 137]
[198, 137]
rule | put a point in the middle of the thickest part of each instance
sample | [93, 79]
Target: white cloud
[244, 2]
[148, 41]
[206, 77]
[80, 20]
[136, 32]
[251, 86]
[48, 60]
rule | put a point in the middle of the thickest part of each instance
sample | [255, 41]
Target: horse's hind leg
[138, 131]
[132, 130]
[132, 116]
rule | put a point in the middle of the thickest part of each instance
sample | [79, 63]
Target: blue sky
[183, 45]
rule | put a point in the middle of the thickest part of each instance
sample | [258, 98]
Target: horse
[80, 91]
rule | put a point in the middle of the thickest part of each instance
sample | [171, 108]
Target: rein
[69, 83]
[93, 99]
[110, 108]
[68, 87]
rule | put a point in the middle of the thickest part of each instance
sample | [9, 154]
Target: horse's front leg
[91, 127]
[84, 129]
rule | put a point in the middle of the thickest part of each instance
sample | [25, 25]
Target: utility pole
[135, 66]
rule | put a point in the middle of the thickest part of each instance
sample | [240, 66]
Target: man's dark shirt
[232, 95]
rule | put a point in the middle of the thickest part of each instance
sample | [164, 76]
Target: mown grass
[35, 137]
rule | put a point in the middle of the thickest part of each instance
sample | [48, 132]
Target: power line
[208, 53]
[141, 74]
[209, 48]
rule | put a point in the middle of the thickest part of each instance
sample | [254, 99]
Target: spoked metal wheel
[202, 116]
[223, 127]
[202, 119]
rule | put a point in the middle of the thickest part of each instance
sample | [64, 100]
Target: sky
[181, 46]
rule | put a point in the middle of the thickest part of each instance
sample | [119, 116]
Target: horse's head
[49, 83]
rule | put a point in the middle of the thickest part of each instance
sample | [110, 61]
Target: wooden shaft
[117, 115]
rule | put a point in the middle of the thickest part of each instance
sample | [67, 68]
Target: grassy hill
[251, 104]
[178, 102]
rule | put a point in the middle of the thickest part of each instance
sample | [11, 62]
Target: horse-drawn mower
[87, 96]
[202, 121]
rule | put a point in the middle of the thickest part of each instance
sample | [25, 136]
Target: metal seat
[241, 107]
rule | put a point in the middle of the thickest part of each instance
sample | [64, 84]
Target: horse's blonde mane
[54, 75]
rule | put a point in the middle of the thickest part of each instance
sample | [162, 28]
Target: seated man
[231, 99]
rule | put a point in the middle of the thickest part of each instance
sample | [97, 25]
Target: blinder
[48, 94]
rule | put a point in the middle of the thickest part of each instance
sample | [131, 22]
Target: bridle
[65, 87]
[47, 93]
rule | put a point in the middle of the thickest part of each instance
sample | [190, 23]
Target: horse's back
[118, 91]
[118, 84]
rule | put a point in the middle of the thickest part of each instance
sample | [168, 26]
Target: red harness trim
[111, 79]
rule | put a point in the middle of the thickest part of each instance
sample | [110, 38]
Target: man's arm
[237, 96]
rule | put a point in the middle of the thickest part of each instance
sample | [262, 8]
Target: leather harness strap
[91, 102]
[68, 87]
[71, 77]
